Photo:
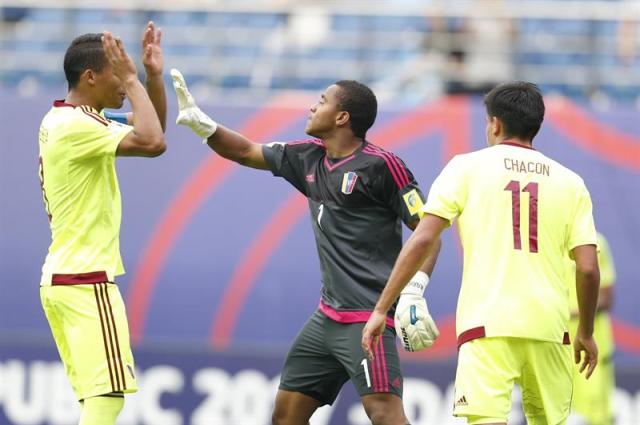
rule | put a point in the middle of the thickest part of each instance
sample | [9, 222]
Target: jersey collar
[61, 103]
[518, 145]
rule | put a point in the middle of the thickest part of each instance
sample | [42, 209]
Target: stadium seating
[227, 49]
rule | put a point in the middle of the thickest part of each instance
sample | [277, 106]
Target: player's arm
[587, 287]
[424, 241]
[236, 147]
[146, 138]
[153, 65]
[605, 300]
[225, 142]
[414, 253]
[430, 262]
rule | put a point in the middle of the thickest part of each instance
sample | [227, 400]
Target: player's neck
[338, 147]
[76, 98]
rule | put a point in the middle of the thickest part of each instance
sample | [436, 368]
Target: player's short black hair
[84, 52]
[519, 106]
[361, 104]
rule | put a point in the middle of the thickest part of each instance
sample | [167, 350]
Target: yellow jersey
[519, 213]
[81, 194]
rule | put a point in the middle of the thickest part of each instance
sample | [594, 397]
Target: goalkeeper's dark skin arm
[236, 147]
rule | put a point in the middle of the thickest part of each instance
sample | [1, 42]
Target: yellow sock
[101, 410]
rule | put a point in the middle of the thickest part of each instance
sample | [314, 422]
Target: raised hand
[151, 51]
[188, 112]
[121, 62]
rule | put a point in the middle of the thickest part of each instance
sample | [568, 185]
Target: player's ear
[496, 126]
[342, 118]
[89, 75]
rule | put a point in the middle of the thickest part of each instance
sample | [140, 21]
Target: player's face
[109, 88]
[323, 115]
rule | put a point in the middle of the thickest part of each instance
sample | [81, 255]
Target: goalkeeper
[358, 195]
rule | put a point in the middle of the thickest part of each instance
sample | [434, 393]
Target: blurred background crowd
[410, 50]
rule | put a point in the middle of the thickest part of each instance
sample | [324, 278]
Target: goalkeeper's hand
[413, 323]
[189, 114]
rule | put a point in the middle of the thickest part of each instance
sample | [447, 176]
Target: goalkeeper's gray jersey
[357, 205]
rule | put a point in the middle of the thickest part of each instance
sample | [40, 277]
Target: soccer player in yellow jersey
[520, 214]
[592, 398]
[78, 146]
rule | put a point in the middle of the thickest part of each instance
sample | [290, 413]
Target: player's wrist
[206, 127]
[380, 310]
[130, 81]
[417, 284]
[584, 331]
[152, 73]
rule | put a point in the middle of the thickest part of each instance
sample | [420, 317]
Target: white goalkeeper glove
[189, 114]
[414, 325]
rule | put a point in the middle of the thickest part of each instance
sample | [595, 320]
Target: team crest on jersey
[413, 201]
[349, 180]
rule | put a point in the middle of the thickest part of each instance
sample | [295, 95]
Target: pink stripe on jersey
[394, 160]
[394, 173]
[349, 316]
[337, 164]
[306, 141]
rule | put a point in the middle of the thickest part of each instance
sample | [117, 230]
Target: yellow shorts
[488, 368]
[89, 326]
[592, 398]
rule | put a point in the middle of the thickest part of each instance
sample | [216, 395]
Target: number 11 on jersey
[532, 188]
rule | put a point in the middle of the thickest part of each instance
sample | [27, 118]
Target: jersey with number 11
[519, 214]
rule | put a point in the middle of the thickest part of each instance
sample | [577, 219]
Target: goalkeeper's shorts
[326, 354]
[89, 326]
[488, 368]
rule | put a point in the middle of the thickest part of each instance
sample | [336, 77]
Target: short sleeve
[287, 160]
[399, 189]
[93, 137]
[582, 230]
[448, 192]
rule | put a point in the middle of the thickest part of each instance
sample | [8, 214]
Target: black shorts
[326, 354]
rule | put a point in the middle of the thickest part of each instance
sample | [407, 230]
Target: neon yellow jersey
[519, 214]
[81, 194]
[602, 332]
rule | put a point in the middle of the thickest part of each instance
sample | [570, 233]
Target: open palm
[151, 50]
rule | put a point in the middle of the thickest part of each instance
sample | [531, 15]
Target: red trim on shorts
[118, 355]
[479, 332]
[104, 336]
[111, 356]
[79, 278]
[471, 334]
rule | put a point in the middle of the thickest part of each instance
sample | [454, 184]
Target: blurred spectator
[13, 14]
[627, 41]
